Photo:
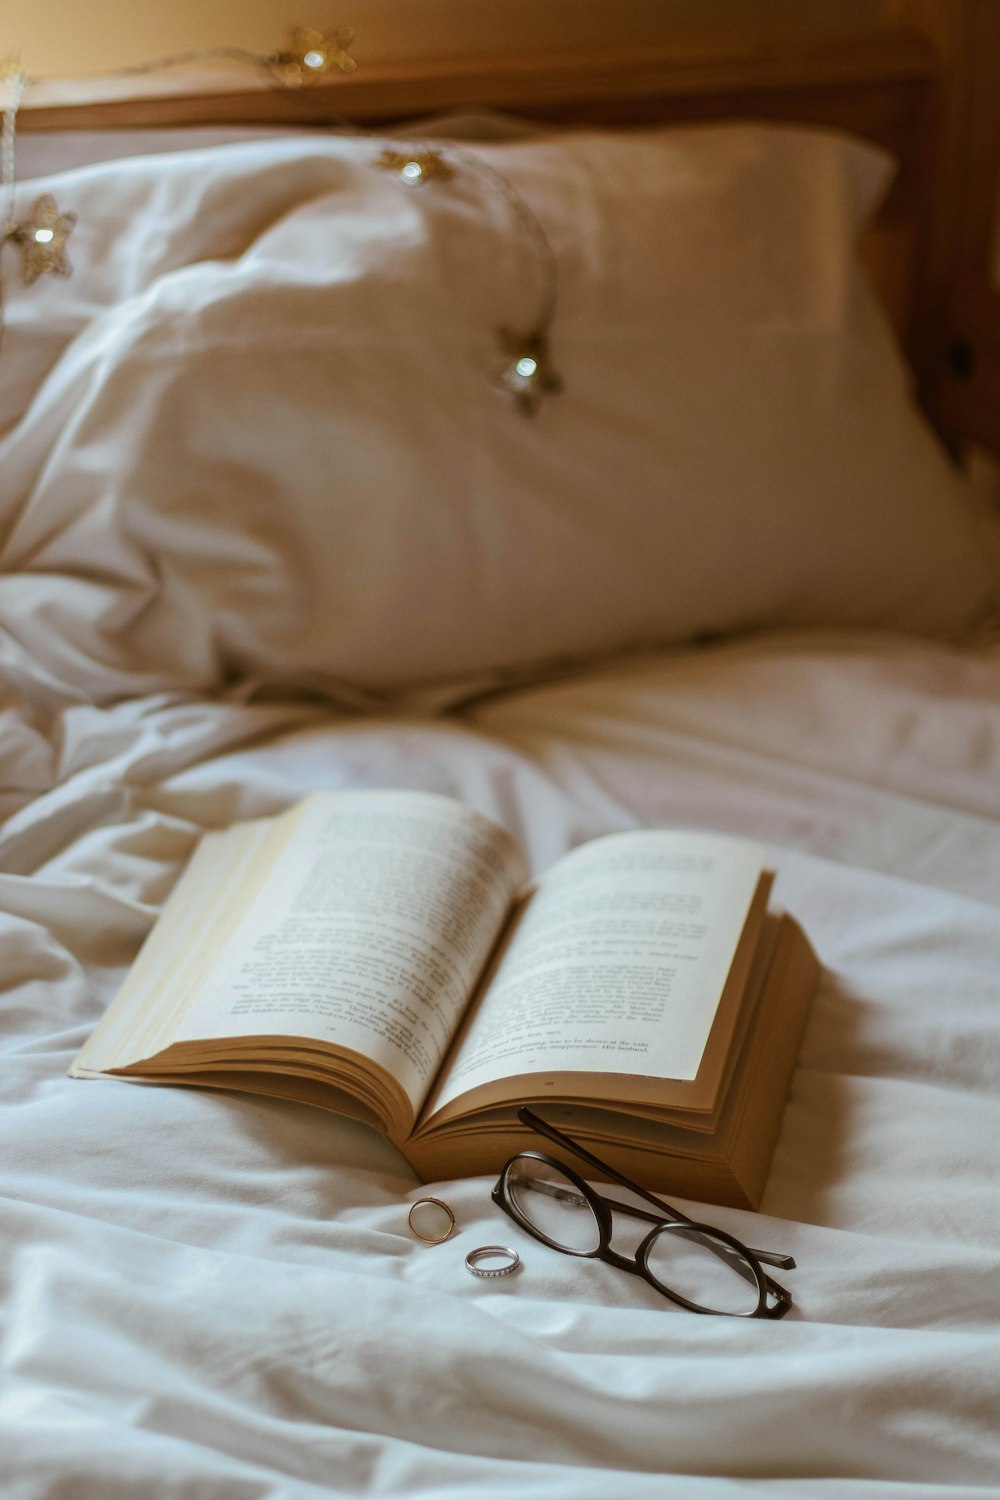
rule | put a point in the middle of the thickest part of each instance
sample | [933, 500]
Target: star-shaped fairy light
[42, 238]
[528, 374]
[311, 55]
[416, 167]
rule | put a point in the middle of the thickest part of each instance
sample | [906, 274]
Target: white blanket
[211, 1295]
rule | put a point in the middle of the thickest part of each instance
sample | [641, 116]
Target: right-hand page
[616, 964]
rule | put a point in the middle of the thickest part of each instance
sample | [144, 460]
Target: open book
[382, 954]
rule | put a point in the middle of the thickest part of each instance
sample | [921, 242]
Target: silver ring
[474, 1256]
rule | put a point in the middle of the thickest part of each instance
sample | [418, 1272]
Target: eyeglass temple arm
[768, 1257]
[529, 1118]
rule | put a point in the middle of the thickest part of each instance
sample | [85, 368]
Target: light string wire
[8, 173]
[534, 339]
[184, 59]
[533, 228]
[7, 166]
[315, 55]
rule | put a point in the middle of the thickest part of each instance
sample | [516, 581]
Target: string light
[312, 55]
[309, 57]
[416, 167]
[41, 239]
[527, 373]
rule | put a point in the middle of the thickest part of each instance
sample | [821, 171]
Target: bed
[284, 509]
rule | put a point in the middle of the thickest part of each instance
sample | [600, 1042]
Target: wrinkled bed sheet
[216, 1296]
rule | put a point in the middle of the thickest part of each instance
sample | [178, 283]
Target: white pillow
[256, 434]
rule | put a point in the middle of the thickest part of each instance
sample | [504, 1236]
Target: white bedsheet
[216, 1296]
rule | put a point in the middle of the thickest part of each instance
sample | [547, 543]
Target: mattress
[216, 1295]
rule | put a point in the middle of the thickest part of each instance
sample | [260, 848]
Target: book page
[369, 932]
[616, 964]
[215, 888]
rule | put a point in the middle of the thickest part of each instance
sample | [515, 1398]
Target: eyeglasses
[696, 1265]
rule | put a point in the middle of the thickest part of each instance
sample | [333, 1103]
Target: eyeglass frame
[668, 1218]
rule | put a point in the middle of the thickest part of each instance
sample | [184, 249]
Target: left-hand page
[361, 920]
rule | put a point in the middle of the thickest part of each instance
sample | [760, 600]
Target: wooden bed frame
[925, 84]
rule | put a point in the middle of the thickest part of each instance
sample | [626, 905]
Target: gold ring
[432, 1239]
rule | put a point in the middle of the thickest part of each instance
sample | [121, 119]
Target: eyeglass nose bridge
[624, 1262]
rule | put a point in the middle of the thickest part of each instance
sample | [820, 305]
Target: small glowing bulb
[314, 59]
[43, 236]
[526, 367]
[412, 172]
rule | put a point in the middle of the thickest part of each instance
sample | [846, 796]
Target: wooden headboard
[925, 85]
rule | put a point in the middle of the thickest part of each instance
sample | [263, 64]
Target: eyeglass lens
[553, 1205]
[683, 1261]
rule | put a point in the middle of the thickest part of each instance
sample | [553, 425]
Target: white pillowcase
[256, 434]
